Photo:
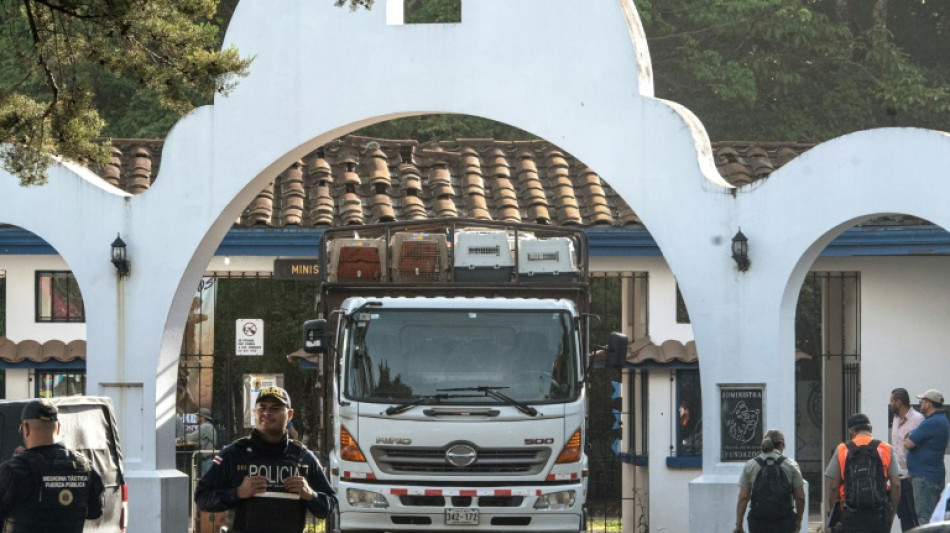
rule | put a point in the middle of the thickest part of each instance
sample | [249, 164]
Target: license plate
[461, 517]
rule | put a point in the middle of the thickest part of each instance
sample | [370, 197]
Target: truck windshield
[398, 355]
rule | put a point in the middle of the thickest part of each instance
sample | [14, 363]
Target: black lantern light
[740, 251]
[118, 257]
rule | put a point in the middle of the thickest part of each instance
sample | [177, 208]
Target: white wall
[662, 294]
[21, 300]
[904, 333]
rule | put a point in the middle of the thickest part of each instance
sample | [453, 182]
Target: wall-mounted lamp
[740, 251]
[118, 257]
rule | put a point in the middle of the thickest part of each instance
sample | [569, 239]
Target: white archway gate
[322, 71]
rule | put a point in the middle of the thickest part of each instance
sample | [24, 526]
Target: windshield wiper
[493, 392]
[432, 398]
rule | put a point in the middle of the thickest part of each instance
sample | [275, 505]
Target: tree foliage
[801, 69]
[64, 60]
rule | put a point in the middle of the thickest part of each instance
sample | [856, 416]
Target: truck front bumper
[375, 506]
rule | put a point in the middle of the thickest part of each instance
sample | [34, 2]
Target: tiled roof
[360, 180]
[29, 350]
[643, 352]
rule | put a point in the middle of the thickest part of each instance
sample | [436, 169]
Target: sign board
[300, 268]
[742, 417]
[249, 336]
[253, 383]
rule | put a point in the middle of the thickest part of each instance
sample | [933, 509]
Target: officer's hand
[251, 485]
[299, 486]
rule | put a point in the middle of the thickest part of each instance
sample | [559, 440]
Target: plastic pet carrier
[483, 256]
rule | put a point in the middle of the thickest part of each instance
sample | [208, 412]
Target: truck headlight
[555, 500]
[366, 499]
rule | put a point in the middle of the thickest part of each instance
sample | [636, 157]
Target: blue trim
[622, 242]
[633, 241]
[685, 462]
[76, 364]
[635, 460]
[18, 241]
[289, 241]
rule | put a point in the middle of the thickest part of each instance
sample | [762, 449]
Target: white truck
[457, 359]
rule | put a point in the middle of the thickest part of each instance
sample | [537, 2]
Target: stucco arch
[576, 74]
[789, 219]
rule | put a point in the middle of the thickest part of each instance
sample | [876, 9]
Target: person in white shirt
[906, 419]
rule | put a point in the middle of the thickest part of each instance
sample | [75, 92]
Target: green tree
[64, 60]
[801, 69]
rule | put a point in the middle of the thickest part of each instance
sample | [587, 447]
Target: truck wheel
[584, 522]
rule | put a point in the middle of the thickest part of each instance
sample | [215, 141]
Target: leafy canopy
[802, 69]
[59, 55]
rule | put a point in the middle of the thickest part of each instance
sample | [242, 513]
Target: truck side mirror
[316, 336]
[617, 349]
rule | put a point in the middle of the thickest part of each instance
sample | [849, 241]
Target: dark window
[54, 384]
[689, 425]
[682, 314]
[58, 298]
[433, 11]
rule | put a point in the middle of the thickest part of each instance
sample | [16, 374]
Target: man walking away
[47, 487]
[772, 481]
[926, 446]
[858, 472]
[906, 419]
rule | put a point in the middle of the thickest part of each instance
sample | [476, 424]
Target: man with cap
[926, 446]
[204, 436]
[268, 480]
[47, 487]
[857, 520]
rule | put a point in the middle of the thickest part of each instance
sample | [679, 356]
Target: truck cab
[456, 402]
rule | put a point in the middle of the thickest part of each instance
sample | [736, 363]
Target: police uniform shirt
[22, 490]
[253, 456]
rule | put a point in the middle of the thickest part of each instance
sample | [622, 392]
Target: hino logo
[393, 440]
[461, 455]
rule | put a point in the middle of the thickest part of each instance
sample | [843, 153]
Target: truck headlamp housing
[556, 500]
[366, 499]
[349, 448]
[571, 453]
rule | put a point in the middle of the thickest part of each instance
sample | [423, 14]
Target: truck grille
[500, 461]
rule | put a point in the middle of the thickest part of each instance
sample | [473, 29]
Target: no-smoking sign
[249, 336]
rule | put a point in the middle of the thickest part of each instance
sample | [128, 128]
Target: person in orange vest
[864, 480]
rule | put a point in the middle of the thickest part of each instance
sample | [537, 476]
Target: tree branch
[66, 11]
[37, 42]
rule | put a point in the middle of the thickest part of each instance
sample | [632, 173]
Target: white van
[87, 425]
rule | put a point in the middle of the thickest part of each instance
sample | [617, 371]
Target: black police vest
[61, 497]
[275, 510]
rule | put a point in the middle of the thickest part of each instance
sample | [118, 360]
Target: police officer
[47, 487]
[267, 479]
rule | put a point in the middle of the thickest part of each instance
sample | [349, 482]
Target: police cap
[40, 410]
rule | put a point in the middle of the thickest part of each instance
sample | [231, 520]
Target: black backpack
[771, 491]
[865, 487]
